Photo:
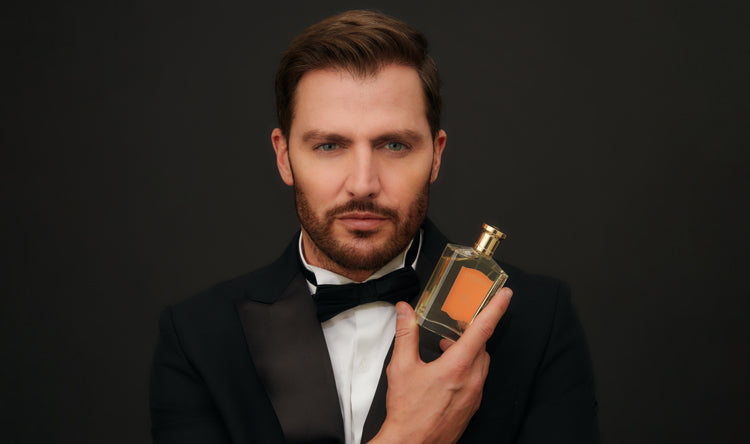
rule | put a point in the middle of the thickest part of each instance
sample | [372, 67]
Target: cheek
[320, 188]
[405, 183]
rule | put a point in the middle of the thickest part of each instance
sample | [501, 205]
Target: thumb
[406, 340]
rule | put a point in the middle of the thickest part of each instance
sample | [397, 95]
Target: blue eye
[395, 146]
[328, 147]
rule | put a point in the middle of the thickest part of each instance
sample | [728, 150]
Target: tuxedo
[246, 361]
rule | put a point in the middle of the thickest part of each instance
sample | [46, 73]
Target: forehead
[335, 98]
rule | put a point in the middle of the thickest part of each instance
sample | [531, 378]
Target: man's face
[361, 157]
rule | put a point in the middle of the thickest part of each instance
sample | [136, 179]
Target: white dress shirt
[358, 340]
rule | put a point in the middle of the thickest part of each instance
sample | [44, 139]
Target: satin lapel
[289, 351]
[429, 349]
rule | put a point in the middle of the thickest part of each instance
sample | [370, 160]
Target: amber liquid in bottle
[463, 282]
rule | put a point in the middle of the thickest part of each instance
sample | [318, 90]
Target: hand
[433, 402]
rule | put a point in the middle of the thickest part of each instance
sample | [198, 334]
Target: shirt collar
[323, 276]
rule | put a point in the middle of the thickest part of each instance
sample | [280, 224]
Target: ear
[438, 145]
[282, 156]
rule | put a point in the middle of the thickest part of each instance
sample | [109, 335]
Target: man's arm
[433, 402]
[182, 410]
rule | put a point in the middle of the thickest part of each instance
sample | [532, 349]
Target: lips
[362, 221]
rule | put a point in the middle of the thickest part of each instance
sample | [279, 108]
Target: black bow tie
[400, 285]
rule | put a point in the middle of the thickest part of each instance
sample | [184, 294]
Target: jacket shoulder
[538, 307]
[536, 291]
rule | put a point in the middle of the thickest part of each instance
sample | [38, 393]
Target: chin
[366, 250]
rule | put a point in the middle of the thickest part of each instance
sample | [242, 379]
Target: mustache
[363, 206]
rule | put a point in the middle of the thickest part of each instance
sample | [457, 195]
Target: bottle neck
[487, 244]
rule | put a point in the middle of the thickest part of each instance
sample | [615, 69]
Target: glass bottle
[463, 282]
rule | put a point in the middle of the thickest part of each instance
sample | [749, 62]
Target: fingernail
[403, 310]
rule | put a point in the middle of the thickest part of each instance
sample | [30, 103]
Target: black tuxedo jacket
[246, 362]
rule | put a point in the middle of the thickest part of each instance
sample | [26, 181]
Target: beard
[358, 254]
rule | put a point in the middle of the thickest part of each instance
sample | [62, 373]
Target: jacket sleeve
[182, 410]
[562, 408]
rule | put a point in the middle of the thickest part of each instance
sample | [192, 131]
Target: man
[271, 357]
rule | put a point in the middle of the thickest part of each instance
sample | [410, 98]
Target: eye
[327, 147]
[395, 146]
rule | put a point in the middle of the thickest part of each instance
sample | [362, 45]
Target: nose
[363, 180]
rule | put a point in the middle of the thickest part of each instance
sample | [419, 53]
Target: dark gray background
[608, 139]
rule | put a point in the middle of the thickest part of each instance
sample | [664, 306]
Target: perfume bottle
[463, 282]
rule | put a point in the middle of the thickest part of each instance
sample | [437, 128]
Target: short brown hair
[361, 42]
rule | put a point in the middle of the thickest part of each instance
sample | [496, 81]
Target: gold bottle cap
[489, 240]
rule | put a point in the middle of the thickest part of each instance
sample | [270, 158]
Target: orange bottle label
[467, 294]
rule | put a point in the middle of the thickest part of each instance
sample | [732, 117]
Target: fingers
[406, 342]
[484, 324]
[495, 309]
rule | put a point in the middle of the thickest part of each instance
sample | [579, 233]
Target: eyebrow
[316, 135]
[407, 135]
